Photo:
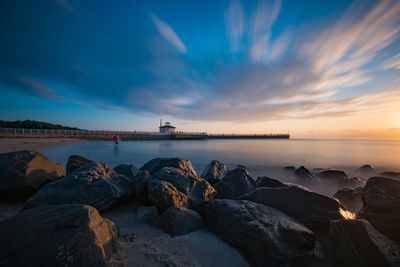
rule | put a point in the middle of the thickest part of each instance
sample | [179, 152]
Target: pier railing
[130, 135]
[58, 132]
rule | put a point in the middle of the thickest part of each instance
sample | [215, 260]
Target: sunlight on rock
[347, 214]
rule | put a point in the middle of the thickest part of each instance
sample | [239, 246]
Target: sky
[316, 69]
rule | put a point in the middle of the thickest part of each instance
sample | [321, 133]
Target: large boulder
[264, 235]
[303, 173]
[157, 164]
[367, 169]
[128, 170]
[308, 207]
[381, 199]
[214, 172]
[357, 243]
[195, 188]
[94, 184]
[75, 162]
[395, 175]
[265, 181]
[235, 183]
[179, 221]
[335, 175]
[68, 235]
[23, 172]
[350, 197]
[164, 195]
[141, 187]
[382, 195]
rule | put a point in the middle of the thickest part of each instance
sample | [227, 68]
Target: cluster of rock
[270, 222]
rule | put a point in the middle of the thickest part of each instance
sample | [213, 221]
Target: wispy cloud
[391, 63]
[234, 17]
[168, 34]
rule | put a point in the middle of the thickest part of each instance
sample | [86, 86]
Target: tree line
[30, 124]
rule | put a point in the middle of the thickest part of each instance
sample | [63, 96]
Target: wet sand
[37, 144]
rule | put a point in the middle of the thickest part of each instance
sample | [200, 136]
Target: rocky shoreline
[80, 215]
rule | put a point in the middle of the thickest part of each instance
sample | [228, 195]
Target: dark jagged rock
[129, 170]
[164, 195]
[337, 175]
[235, 183]
[304, 173]
[157, 164]
[289, 168]
[395, 175]
[147, 214]
[367, 168]
[381, 199]
[351, 198]
[195, 188]
[357, 243]
[179, 221]
[68, 235]
[265, 181]
[306, 206]
[214, 172]
[75, 162]
[94, 184]
[264, 235]
[23, 172]
[141, 181]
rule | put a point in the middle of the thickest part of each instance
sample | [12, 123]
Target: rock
[395, 175]
[157, 164]
[381, 199]
[235, 184]
[128, 170]
[264, 235]
[179, 221]
[289, 168]
[94, 184]
[304, 173]
[141, 181]
[308, 207]
[240, 166]
[214, 172]
[68, 235]
[164, 195]
[75, 162]
[23, 172]
[265, 181]
[195, 188]
[337, 175]
[382, 195]
[147, 214]
[357, 243]
[367, 168]
[351, 198]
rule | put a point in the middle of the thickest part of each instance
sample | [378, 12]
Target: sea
[261, 157]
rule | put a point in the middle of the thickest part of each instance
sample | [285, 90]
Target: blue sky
[259, 66]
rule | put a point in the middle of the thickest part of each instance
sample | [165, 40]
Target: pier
[128, 135]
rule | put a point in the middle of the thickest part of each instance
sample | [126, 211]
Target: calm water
[262, 157]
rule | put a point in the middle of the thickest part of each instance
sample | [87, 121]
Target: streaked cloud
[391, 63]
[169, 34]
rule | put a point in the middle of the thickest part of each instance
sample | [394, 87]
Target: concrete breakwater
[129, 135]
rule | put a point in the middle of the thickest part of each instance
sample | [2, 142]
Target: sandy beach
[37, 144]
